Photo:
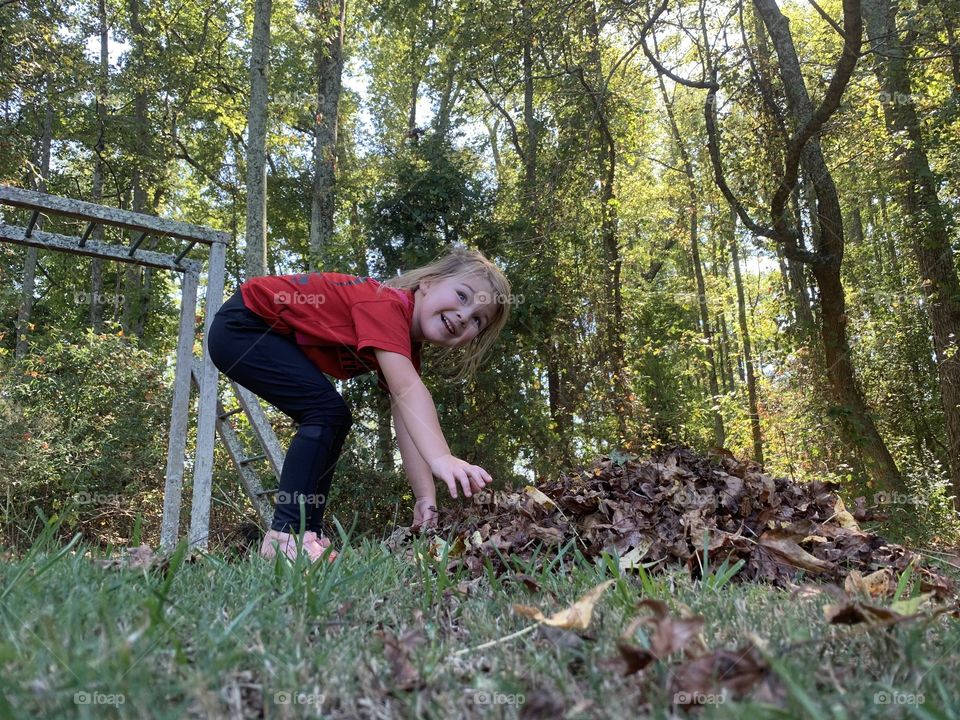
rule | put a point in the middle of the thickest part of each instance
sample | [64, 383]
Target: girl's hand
[453, 470]
[425, 514]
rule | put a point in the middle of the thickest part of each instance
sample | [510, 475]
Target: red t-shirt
[337, 320]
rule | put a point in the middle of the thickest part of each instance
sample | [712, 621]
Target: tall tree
[930, 221]
[31, 255]
[103, 79]
[329, 63]
[749, 369]
[824, 260]
[256, 234]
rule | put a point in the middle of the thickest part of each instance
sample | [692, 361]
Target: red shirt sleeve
[383, 324]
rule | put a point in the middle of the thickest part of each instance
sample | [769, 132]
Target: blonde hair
[457, 263]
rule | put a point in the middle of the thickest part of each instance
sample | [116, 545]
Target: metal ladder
[267, 438]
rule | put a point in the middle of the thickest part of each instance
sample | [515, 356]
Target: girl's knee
[329, 412]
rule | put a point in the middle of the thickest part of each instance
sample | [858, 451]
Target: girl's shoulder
[364, 288]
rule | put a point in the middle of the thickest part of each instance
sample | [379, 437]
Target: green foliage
[83, 427]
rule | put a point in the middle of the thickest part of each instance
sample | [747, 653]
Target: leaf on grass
[668, 636]
[399, 652]
[530, 582]
[853, 612]
[876, 584]
[911, 606]
[738, 673]
[631, 560]
[398, 538]
[783, 544]
[575, 617]
[439, 547]
[137, 558]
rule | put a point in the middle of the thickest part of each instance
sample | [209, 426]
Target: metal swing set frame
[210, 414]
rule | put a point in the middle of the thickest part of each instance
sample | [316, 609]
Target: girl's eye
[479, 322]
[462, 295]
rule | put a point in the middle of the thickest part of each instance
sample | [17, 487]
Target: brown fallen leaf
[669, 635]
[399, 652]
[783, 544]
[539, 497]
[138, 558]
[852, 612]
[530, 582]
[843, 517]
[549, 535]
[876, 584]
[737, 673]
[575, 617]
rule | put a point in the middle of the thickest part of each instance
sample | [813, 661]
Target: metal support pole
[138, 242]
[207, 410]
[180, 414]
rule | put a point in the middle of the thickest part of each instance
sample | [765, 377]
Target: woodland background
[726, 224]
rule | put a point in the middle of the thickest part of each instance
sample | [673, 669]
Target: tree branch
[830, 21]
[514, 135]
[798, 100]
[644, 31]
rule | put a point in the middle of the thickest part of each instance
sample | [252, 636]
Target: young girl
[278, 335]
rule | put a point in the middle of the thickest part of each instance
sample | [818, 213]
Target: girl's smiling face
[452, 311]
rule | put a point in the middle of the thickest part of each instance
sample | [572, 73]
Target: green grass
[214, 638]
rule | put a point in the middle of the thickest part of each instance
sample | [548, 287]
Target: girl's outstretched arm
[419, 415]
[418, 473]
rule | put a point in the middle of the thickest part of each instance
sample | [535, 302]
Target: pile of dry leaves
[664, 512]
[658, 512]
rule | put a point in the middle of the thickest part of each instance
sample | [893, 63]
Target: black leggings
[245, 349]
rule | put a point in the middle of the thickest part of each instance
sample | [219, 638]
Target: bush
[83, 434]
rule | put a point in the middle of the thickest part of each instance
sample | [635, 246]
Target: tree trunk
[255, 262]
[606, 153]
[747, 349]
[856, 424]
[136, 280]
[103, 78]
[929, 219]
[329, 74]
[448, 98]
[31, 255]
[529, 121]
